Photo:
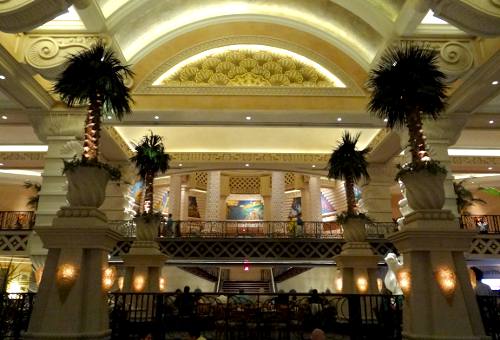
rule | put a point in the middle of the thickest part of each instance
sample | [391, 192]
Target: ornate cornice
[475, 160]
[58, 124]
[47, 53]
[22, 156]
[146, 86]
[197, 157]
[119, 141]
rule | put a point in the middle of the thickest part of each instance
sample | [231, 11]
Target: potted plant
[350, 165]
[94, 77]
[150, 159]
[407, 86]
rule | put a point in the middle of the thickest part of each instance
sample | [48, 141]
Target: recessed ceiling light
[157, 117]
[248, 118]
[4, 117]
[386, 120]
[490, 168]
[247, 164]
[2, 77]
[1, 164]
[339, 119]
[313, 166]
[180, 164]
[494, 82]
[109, 117]
[491, 121]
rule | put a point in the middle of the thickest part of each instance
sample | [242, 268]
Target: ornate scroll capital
[47, 54]
[58, 124]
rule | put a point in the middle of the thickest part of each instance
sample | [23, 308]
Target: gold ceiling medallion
[249, 65]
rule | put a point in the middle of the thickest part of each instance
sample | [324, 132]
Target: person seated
[315, 302]
[318, 334]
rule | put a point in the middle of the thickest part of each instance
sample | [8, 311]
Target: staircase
[247, 286]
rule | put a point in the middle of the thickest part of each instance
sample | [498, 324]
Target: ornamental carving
[248, 68]
[248, 72]
[47, 54]
[58, 124]
[455, 57]
[249, 157]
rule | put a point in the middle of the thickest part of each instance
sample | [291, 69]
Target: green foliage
[431, 165]
[344, 216]
[114, 173]
[465, 198]
[491, 191]
[407, 79]
[150, 156]
[347, 163]
[33, 200]
[96, 71]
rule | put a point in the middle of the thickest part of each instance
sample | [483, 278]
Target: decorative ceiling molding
[456, 57]
[480, 18]
[119, 141]
[239, 157]
[58, 124]
[22, 156]
[47, 53]
[146, 86]
[25, 15]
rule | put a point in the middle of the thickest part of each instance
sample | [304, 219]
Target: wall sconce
[472, 278]
[163, 283]
[447, 281]
[108, 277]
[380, 284]
[38, 275]
[121, 280]
[338, 284]
[66, 275]
[139, 283]
[362, 284]
[404, 280]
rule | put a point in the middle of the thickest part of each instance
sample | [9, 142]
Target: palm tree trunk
[148, 195]
[92, 129]
[416, 140]
[349, 192]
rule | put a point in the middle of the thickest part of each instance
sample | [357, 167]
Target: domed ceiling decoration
[249, 65]
[249, 68]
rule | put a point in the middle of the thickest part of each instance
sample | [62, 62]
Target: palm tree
[150, 159]
[95, 77]
[348, 164]
[465, 198]
[33, 200]
[406, 86]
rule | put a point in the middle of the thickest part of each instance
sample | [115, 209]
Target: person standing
[481, 288]
[170, 226]
[300, 226]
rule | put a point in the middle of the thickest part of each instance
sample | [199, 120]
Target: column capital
[58, 124]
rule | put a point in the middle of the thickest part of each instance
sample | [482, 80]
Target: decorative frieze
[249, 157]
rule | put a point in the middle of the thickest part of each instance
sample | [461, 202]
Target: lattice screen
[244, 185]
[289, 181]
[200, 179]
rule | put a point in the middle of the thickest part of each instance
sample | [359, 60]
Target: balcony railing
[17, 219]
[260, 229]
[470, 222]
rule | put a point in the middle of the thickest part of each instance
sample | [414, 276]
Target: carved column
[376, 194]
[60, 131]
[265, 191]
[212, 210]
[314, 199]
[184, 203]
[175, 197]
[305, 202]
[116, 200]
[277, 195]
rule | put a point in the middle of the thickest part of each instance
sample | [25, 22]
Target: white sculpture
[72, 148]
[404, 208]
[393, 266]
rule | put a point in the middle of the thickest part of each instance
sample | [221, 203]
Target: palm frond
[96, 71]
[346, 162]
[407, 78]
[150, 156]
[465, 198]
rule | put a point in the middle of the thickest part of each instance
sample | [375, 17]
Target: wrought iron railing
[490, 314]
[472, 222]
[15, 312]
[246, 316]
[17, 219]
[267, 229]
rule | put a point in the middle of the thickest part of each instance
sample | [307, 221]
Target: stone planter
[86, 186]
[147, 227]
[354, 229]
[424, 190]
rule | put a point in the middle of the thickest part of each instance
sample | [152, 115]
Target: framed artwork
[245, 210]
[193, 210]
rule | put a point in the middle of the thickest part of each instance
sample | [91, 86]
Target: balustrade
[470, 222]
[17, 219]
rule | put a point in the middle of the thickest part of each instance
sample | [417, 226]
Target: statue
[404, 208]
[393, 266]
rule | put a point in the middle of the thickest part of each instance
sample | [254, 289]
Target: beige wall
[492, 206]
[238, 274]
[177, 278]
[14, 197]
[320, 278]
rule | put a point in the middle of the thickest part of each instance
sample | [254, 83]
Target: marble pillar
[212, 210]
[314, 199]
[277, 196]
[184, 203]
[339, 197]
[376, 194]
[175, 197]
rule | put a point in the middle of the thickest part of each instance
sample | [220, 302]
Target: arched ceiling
[358, 29]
